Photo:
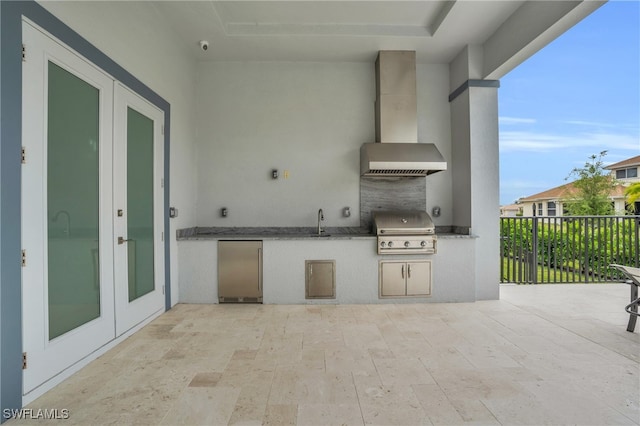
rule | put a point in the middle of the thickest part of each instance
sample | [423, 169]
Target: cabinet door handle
[409, 271]
[402, 271]
[260, 270]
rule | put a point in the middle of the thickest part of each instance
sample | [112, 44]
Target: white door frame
[128, 314]
[49, 360]
[46, 358]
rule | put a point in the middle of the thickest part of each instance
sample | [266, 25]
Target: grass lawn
[518, 272]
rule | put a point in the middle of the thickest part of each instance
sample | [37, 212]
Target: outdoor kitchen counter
[285, 251]
[288, 233]
[273, 233]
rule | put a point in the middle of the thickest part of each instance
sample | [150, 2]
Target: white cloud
[521, 184]
[546, 142]
[516, 120]
[512, 190]
[590, 123]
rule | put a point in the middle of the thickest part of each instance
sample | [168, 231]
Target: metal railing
[567, 249]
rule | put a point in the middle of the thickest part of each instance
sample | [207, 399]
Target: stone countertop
[286, 233]
[272, 233]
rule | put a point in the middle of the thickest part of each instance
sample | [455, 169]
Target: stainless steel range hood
[397, 151]
[400, 159]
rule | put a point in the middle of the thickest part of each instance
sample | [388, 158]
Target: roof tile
[633, 161]
[565, 191]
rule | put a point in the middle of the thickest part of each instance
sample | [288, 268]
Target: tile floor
[555, 354]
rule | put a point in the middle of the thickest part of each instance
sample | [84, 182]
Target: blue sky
[576, 97]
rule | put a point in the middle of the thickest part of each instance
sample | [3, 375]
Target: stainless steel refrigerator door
[240, 271]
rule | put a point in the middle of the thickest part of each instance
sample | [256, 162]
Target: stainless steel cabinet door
[392, 279]
[401, 278]
[240, 270]
[321, 279]
[419, 278]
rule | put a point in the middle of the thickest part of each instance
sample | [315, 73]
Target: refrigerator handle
[260, 269]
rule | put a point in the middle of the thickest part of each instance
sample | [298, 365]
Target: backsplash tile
[407, 193]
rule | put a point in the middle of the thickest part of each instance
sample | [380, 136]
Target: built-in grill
[404, 232]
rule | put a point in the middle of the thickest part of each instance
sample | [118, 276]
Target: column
[475, 165]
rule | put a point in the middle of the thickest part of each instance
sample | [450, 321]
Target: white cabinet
[404, 278]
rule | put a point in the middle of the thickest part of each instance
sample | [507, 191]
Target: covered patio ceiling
[348, 31]
[334, 30]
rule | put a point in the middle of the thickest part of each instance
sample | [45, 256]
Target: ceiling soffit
[354, 31]
[332, 30]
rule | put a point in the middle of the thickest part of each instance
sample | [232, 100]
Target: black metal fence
[567, 249]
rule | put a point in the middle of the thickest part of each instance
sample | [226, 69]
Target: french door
[92, 172]
[138, 201]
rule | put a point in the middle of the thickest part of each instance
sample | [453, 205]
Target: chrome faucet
[320, 219]
[67, 231]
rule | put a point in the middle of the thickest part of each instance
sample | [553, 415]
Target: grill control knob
[382, 244]
[390, 243]
[423, 244]
[406, 243]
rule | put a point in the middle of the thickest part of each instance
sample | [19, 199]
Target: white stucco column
[475, 165]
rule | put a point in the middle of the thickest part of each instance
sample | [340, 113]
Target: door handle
[409, 271]
[121, 240]
[402, 271]
[260, 270]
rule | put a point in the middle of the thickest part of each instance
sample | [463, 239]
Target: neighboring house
[550, 202]
[626, 171]
[511, 210]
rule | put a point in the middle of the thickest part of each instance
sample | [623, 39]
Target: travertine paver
[556, 354]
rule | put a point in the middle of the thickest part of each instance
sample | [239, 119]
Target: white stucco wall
[434, 126]
[305, 118]
[461, 160]
[132, 35]
[309, 119]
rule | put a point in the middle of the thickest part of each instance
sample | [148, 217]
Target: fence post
[534, 250]
[584, 268]
[637, 242]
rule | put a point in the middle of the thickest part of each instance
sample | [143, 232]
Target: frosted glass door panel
[138, 197]
[140, 204]
[72, 198]
[67, 232]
